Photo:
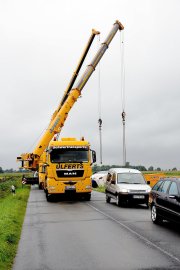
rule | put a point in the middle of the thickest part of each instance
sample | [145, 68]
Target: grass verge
[12, 211]
[100, 189]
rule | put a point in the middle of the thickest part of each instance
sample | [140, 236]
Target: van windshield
[130, 178]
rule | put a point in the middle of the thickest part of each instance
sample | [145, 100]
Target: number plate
[138, 196]
[70, 188]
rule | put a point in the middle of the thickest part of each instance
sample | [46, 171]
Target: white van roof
[124, 170]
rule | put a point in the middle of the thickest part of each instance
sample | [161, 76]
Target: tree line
[11, 170]
[97, 168]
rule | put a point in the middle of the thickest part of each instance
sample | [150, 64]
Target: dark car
[164, 200]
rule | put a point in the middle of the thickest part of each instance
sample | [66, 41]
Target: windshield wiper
[136, 183]
[123, 182]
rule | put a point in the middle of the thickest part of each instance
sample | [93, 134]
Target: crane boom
[64, 108]
[76, 72]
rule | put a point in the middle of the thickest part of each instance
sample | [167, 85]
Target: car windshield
[69, 155]
[130, 178]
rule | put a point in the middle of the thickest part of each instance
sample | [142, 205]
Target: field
[167, 173]
[12, 211]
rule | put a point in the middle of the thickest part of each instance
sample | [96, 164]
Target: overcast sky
[41, 42]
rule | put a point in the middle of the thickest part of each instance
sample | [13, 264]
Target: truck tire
[40, 186]
[88, 197]
[49, 197]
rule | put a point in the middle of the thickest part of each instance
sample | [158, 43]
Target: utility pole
[100, 138]
[124, 138]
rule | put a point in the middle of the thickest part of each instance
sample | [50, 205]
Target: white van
[126, 185]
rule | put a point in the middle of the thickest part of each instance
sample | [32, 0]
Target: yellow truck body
[42, 170]
[153, 177]
[68, 168]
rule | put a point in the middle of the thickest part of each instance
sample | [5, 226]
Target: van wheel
[155, 216]
[147, 205]
[118, 200]
[108, 199]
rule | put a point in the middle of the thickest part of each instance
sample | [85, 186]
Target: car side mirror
[148, 182]
[172, 197]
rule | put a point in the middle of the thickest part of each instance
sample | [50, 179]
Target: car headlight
[124, 190]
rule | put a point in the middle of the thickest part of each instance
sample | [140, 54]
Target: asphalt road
[93, 235]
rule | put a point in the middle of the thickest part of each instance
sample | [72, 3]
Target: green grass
[167, 173]
[173, 174]
[12, 211]
[100, 189]
[9, 176]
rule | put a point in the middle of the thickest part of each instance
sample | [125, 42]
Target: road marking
[137, 234]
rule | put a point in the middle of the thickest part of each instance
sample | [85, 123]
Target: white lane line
[137, 234]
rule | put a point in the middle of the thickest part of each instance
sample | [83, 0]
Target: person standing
[13, 190]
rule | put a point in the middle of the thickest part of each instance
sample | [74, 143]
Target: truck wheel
[108, 199]
[40, 186]
[88, 197]
[155, 215]
[48, 197]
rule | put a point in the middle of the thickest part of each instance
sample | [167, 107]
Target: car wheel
[94, 184]
[155, 216]
[108, 199]
[118, 200]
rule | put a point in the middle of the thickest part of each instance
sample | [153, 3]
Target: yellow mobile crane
[40, 173]
[42, 162]
[68, 162]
